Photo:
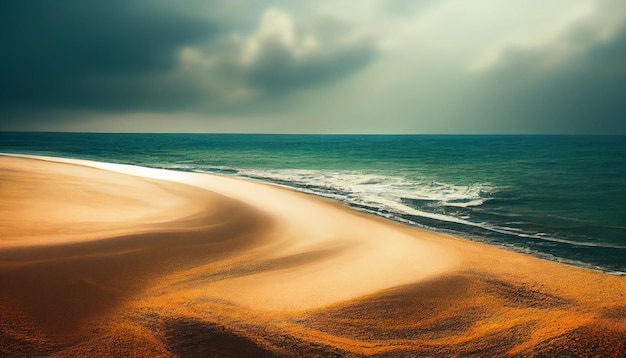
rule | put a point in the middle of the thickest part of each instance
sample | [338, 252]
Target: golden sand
[110, 260]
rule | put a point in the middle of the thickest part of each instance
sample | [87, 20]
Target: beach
[101, 259]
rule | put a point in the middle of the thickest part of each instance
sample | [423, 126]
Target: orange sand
[110, 260]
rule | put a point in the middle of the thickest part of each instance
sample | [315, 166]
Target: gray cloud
[384, 67]
[288, 56]
[120, 55]
[278, 70]
[574, 84]
[104, 54]
[251, 71]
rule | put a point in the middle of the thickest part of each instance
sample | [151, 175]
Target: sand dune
[111, 260]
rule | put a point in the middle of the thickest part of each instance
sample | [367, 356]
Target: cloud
[278, 59]
[282, 56]
[573, 83]
[397, 65]
[104, 54]
[581, 28]
[119, 55]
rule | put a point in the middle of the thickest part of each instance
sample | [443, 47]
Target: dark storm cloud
[583, 94]
[278, 70]
[125, 55]
[251, 72]
[284, 55]
[103, 54]
[589, 94]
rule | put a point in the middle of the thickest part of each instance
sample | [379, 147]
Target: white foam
[477, 202]
[367, 187]
[383, 193]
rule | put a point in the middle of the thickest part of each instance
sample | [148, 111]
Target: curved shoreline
[290, 273]
[600, 257]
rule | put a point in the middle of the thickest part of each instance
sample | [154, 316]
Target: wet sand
[109, 260]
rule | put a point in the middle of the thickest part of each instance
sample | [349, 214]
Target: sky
[327, 66]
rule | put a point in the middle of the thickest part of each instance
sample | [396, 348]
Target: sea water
[557, 197]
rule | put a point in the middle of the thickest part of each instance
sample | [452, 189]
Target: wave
[369, 187]
[198, 168]
[389, 196]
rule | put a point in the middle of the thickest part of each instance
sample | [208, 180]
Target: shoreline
[277, 271]
[134, 169]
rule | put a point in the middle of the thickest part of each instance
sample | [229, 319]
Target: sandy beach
[106, 260]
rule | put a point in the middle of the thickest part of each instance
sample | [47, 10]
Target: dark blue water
[559, 197]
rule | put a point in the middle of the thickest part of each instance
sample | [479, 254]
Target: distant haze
[329, 66]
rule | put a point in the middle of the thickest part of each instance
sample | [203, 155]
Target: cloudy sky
[327, 66]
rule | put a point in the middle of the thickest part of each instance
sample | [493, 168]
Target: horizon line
[332, 134]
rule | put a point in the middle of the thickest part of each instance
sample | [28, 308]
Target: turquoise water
[559, 197]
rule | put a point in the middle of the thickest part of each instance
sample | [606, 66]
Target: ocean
[558, 197]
